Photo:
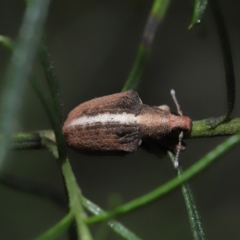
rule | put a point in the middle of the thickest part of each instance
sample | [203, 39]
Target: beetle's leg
[176, 159]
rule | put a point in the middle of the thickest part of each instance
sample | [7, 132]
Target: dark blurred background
[93, 46]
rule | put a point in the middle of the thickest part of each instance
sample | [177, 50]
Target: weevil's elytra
[118, 123]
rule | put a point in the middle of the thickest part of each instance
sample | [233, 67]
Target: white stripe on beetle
[121, 118]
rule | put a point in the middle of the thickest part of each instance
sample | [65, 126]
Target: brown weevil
[119, 123]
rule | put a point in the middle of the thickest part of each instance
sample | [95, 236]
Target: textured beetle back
[105, 124]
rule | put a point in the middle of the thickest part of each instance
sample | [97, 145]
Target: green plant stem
[19, 70]
[200, 129]
[172, 184]
[193, 213]
[27, 141]
[54, 110]
[42, 190]
[75, 202]
[228, 63]
[51, 76]
[156, 15]
[57, 229]
[53, 117]
[114, 225]
[74, 192]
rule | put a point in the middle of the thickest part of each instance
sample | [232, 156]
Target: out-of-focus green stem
[50, 193]
[156, 15]
[6, 42]
[172, 184]
[57, 229]
[19, 70]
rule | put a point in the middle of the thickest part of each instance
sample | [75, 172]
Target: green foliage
[17, 74]
[199, 9]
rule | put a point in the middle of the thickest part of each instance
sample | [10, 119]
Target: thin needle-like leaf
[193, 213]
[156, 15]
[58, 228]
[172, 184]
[228, 63]
[199, 9]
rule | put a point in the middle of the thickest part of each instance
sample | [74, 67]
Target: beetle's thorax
[153, 122]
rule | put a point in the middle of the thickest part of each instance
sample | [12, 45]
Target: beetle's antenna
[176, 102]
[180, 137]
